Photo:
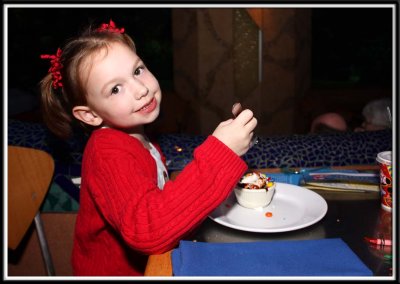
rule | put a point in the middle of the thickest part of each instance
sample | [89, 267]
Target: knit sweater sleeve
[122, 179]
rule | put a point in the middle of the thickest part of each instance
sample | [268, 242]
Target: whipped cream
[255, 180]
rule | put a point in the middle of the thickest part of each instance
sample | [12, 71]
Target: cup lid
[385, 157]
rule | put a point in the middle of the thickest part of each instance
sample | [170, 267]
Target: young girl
[128, 209]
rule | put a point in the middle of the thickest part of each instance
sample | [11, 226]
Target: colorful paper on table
[307, 174]
[342, 176]
[342, 186]
[324, 257]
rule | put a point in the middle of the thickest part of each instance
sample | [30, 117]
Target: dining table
[351, 216]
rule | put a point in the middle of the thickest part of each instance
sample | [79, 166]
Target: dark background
[352, 46]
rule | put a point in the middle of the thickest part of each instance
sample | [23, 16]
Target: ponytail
[54, 113]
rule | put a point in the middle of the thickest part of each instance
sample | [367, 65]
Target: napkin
[324, 257]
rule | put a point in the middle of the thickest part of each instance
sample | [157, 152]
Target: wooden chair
[30, 172]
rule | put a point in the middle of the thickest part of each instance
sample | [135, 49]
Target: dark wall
[349, 45]
[352, 46]
[35, 31]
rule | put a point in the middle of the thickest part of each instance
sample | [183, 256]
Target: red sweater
[123, 216]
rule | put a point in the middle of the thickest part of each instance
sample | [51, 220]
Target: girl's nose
[141, 91]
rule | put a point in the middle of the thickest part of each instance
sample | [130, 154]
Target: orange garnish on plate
[268, 214]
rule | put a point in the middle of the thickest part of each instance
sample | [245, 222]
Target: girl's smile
[149, 107]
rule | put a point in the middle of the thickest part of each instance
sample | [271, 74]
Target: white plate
[292, 207]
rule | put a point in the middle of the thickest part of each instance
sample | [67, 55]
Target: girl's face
[121, 90]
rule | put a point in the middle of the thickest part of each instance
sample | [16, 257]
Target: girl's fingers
[226, 122]
[251, 124]
[244, 117]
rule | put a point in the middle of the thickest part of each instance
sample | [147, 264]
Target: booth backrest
[309, 150]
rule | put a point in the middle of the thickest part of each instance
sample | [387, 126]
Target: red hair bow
[110, 27]
[55, 67]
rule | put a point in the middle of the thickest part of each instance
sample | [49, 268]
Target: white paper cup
[254, 198]
[385, 161]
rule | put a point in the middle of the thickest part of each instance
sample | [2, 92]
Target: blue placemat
[324, 257]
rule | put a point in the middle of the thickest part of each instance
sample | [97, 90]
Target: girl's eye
[115, 90]
[139, 70]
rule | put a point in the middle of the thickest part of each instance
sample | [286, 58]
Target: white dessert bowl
[254, 198]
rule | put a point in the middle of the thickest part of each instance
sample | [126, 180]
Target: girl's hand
[237, 133]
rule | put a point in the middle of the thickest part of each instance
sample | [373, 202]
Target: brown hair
[57, 104]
